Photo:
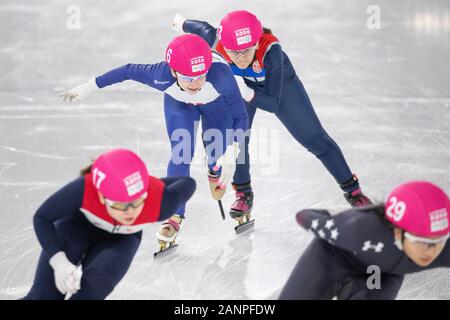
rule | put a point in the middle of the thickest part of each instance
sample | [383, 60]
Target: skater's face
[191, 85]
[125, 213]
[242, 58]
[422, 252]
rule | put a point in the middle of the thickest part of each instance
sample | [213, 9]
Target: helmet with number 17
[120, 175]
[239, 30]
[189, 55]
[420, 208]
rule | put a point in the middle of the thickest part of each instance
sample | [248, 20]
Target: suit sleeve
[143, 73]
[339, 230]
[268, 97]
[64, 202]
[202, 29]
[177, 191]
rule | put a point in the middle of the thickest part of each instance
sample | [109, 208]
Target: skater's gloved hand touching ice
[80, 92]
[67, 275]
[177, 23]
[247, 93]
[228, 163]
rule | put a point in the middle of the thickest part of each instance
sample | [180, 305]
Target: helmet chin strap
[399, 242]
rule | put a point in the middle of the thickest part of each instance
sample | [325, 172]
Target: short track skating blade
[245, 226]
[165, 252]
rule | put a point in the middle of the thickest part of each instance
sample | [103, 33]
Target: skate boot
[242, 207]
[356, 198]
[217, 191]
[167, 234]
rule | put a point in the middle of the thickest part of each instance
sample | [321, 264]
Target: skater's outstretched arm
[157, 76]
[143, 73]
[177, 191]
[65, 201]
[200, 28]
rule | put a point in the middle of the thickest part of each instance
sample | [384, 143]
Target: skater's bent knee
[96, 284]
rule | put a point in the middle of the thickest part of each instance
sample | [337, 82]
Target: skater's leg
[243, 205]
[181, 123]
[315, 275]
[298, 116]
[105, 264]
[217, 134]
[242, 174]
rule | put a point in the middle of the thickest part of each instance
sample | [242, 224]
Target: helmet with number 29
[420, 208]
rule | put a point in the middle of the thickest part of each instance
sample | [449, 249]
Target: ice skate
[357, 199]
[241, 209]
[167, 235]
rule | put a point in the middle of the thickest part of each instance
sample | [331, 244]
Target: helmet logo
[134, 183]
[243, 36]
[198, 64]
[368, 245]
[439, 220]
[219, 32]
[396, 210]
[97, 174]
[168, 55]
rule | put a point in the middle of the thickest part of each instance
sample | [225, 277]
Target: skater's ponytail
[86, 170]
[267, 31]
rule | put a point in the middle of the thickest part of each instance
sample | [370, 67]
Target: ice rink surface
[382, 94]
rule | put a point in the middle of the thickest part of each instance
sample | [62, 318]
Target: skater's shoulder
[218, 69]
[372, 214]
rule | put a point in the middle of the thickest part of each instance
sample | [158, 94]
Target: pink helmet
[239, 30]
[419, 207]
[120, 175]
[189, 55]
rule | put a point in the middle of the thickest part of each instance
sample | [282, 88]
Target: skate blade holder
[246, 226]
[165, 252]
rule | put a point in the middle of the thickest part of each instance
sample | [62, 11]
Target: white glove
[247, 93]
[228, 163]
[177, 23]
[67, 275]
[81, 91]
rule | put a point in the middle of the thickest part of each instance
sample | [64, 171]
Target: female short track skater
[268, 81]
[408, 234]
[91, 228]
[196, 86]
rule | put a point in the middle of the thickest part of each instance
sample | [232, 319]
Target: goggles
[190, 79]
[123, 206]
[236, 53]
[426, 242]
